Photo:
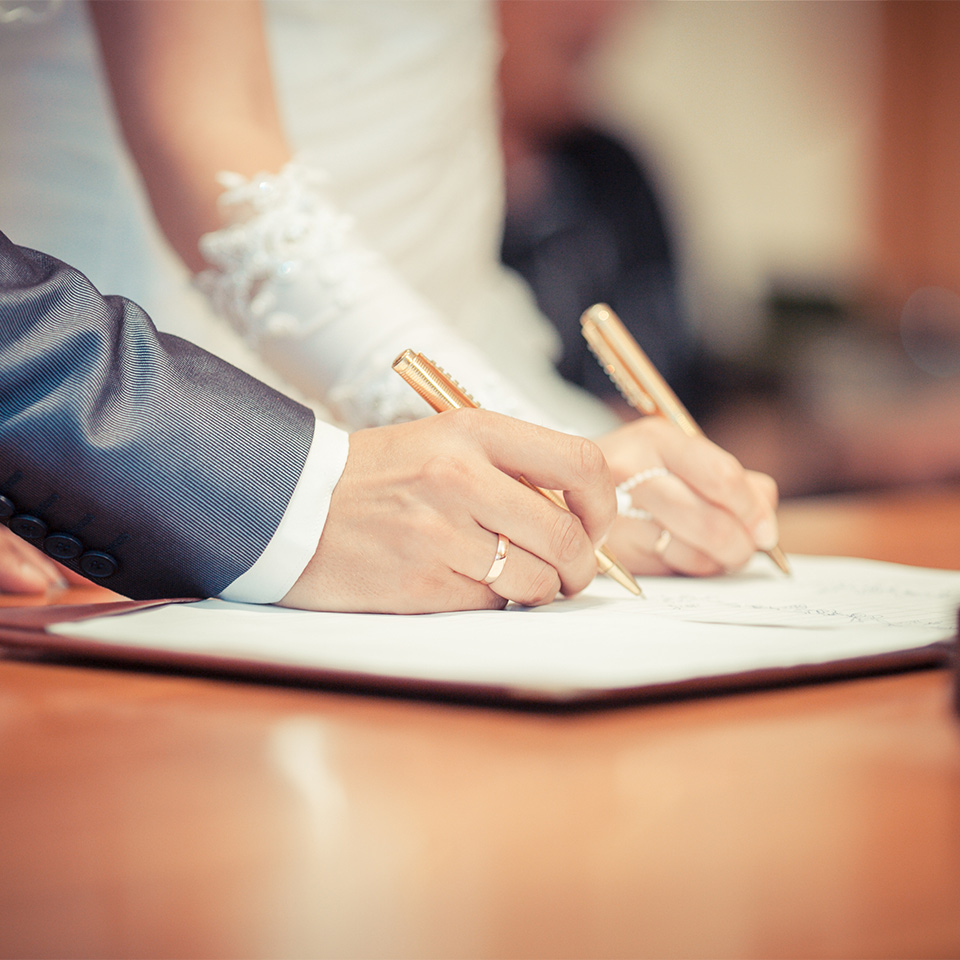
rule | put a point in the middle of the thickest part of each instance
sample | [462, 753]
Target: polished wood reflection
[152, 815]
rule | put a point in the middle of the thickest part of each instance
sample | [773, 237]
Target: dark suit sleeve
[134, 457]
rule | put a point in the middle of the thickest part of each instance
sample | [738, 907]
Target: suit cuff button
[95, 563]
[30, 528]
[62, 546]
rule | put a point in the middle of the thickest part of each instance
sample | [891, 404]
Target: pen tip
[616, 571]
[780, 559]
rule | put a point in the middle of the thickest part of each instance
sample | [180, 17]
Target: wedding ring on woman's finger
[499, 560]
[662, 542]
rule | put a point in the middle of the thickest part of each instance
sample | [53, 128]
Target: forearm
[193, 92]
[132, 445]
[326, 311]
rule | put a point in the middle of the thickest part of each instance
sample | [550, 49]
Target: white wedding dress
[393, 99]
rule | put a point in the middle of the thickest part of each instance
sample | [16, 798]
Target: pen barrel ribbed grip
[432, 384]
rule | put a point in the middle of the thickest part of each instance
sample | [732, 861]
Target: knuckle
[732, 549]
[443, 472]
[701, 565]
[657, 431]
[727, 471]
[717, 538]
[590, 462]
[469, 422]
[543, 588]
[609, 515]
[430, 582]
[574, 584]
[766, 486]
[568, 539]
[732, 566]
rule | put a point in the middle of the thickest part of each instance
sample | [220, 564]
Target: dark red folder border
[24, 628]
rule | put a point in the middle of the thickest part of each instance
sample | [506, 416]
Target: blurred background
[804, 158]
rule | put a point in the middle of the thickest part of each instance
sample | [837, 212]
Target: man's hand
[413, 522]
[717, 513]
[24, 569]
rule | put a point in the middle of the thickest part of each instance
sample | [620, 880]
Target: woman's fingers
[649, 549]
[716, 513]
[764, 486]
[719, 479]
[705, 526]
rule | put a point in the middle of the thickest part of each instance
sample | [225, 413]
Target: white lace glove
[324, 311]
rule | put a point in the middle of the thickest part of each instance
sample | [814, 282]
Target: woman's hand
[24, 569]
[707, 514]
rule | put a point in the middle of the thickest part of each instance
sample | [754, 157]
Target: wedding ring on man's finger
[499, 560]
[662, 542]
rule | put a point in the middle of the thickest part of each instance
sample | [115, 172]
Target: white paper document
[831, 609]
[823, 592]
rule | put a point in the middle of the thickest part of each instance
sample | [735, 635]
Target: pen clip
[639, 380]
[631, 370]
[616, 369]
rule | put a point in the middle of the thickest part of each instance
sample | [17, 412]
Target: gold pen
[639, 380]
[442, 392]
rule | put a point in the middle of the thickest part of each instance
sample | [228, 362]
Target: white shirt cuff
[295, 541]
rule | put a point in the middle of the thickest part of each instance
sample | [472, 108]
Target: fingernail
[766, 535]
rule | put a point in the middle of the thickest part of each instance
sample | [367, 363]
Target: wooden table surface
[145, 815]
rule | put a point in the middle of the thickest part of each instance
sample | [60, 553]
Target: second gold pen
[442, 392]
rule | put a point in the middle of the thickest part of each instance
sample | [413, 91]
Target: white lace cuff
[290, 273]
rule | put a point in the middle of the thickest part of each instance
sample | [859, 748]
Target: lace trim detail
[386, 398]
[280, 228]
[25, 12]
[290, 274]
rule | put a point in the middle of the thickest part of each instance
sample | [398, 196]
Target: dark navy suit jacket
[133, 456]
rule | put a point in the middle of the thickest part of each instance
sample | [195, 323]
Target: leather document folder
[835, 618]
